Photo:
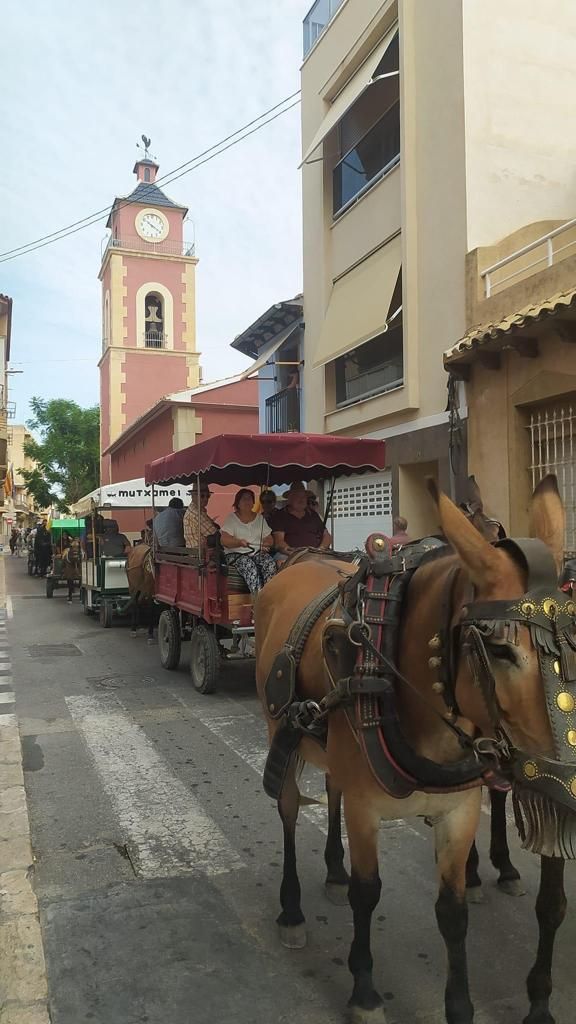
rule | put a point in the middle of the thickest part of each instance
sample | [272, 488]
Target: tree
[67, 453]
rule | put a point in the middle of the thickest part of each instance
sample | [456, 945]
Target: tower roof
[145, 194]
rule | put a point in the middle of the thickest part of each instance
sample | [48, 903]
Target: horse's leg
[509, 878]
[291, 921]
[364, 893]
[454, 836]
[473, 880]
[337, 878]
[550, 912]
[134, 618]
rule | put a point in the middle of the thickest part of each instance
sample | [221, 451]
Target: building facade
[178, 421]
[518, 361]
[148, 307]
[19, 506]
[5, 337]
[275, 341]
[418, 146]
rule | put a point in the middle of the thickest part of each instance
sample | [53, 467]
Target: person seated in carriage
[198, 526]
[247, 539]
[298, 525]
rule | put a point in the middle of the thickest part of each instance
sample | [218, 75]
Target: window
[154, 336]
[376, 366]
[369, 133]
[552, 432]
[146, 174]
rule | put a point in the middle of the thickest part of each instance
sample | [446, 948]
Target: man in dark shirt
[168, 526]
[297, 526]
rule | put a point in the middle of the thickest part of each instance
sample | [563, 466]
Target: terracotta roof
[481, 335]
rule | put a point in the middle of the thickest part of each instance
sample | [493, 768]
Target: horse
[140, 573]
[499, 684]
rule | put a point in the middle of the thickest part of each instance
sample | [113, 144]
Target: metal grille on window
[552, 431]
[360, 500]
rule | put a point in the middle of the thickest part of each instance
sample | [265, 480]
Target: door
[361, 505]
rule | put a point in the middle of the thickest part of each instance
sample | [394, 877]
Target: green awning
[67, 524]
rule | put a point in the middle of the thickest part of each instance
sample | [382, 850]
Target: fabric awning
[359, 304]
[267, 459]
[269, 350]
[350, 93]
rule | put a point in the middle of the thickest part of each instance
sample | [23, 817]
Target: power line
[197, 161]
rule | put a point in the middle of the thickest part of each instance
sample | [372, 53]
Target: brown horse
[140, 573]
[512, 662]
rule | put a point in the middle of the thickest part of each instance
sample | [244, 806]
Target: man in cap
[297, 525]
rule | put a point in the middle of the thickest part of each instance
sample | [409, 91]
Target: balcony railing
[137, 244]
[283, 411]
[543, 252]
[154, 339]
[316, 20]
[368, 161]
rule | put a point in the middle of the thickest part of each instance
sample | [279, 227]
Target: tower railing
[136, 244]
[154, 339]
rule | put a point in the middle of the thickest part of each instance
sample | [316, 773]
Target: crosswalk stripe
[167, 826]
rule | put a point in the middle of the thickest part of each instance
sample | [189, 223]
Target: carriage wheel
[169, 640]
[106, 613]
[49, 588]
[204, 659]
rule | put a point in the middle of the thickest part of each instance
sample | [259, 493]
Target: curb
[23, 981]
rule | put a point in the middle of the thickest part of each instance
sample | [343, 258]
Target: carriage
[104, 585]
[61, 530]
[203, 599]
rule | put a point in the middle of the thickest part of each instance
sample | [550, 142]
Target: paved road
[158, 854]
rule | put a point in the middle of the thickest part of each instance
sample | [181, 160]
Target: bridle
[550, 617]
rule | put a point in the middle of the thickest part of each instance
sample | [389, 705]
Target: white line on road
[7, 697]
[9, 608]
[159, 815]
[229, 728]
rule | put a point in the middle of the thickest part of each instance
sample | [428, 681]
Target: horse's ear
[548, 518]
[480, 558]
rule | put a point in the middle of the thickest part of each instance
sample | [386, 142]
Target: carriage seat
[236, 583]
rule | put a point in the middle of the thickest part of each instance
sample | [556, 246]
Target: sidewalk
[23, 988]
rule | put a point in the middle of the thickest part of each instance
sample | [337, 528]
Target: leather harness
[368, 607]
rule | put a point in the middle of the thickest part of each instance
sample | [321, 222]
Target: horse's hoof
[512, 886]
[293, 936]
[474, 894]
[337, 894]
[356, 1015]
[133, 633]
[151, 641]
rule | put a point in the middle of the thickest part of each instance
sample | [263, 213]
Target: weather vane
[147, 143]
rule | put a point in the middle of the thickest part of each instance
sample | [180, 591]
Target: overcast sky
[81, 83]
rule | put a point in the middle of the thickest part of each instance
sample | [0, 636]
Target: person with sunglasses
[198, 525]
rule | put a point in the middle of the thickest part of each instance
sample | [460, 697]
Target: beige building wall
[484, 150]
[520, 88]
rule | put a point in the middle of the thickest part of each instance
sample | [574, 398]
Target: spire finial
[147, 143]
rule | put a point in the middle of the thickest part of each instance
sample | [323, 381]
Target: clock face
[151, 226]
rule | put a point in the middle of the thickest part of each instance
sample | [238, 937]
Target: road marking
[229, 729]
[161, 818]
[9, 608]
[7, 697]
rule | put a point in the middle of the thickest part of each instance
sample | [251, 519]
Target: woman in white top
[247, 539]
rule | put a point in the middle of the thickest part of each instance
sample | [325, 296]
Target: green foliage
[67, 455]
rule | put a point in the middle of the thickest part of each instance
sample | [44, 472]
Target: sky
[81, 83]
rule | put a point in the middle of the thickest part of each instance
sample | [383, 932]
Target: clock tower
[148, 307]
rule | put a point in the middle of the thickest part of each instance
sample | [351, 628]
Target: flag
[9, 482]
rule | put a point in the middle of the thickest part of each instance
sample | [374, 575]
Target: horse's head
[516, 679]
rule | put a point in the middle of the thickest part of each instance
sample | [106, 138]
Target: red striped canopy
[245, 459]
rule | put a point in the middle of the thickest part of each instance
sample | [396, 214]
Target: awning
[267, 459]
[269, 350]
[359, 304]
[481, 335]
[350, 93]
[128, 494]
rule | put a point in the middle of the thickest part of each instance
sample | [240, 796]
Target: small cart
[104, 584]
[204, 600]
[61, 530]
